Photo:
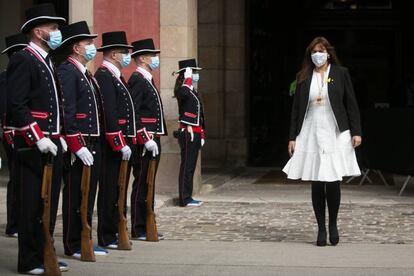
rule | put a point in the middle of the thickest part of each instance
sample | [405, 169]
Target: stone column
[222, 51]
[178, 35]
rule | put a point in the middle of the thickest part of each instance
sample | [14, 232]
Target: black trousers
[140, 189]
[189, 156]
[29, 169]
[72, 196]
[12, 192]
[108, 216]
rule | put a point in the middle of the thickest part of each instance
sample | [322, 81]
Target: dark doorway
[372, 38]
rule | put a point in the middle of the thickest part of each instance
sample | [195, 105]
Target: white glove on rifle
[126, 153]
[64, 145]
[85, 156]
[188, 73]
[45, 145]
[190, 130]
[202, 142]
[152, 146]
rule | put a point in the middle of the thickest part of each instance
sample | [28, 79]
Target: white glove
[64, 145]
[45, 145]
[202, 142]
[85, 156]
[126, 153]
[188, 73]
[190, 130]
[152, 146]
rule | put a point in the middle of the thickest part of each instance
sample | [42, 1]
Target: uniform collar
[80, 66]
[145, 73]
[113, 68]
[39, 49]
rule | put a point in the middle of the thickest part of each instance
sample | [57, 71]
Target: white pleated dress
[322, 153]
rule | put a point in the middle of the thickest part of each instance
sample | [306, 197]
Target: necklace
[321, 85]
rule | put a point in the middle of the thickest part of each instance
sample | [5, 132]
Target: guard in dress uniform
[120, 131]
[84, 130]
[34, 111]
[191, 131]
[150, 126]
[14, 43]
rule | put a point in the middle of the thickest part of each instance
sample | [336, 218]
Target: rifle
[123, 237]
[50, 260]
[151, 225]
[87, 253]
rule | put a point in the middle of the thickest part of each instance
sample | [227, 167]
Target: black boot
[333, 197]
[318, 203]
[333, 234]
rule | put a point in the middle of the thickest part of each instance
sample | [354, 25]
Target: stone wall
[222, 53]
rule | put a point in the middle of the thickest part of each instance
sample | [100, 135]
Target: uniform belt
[196, 129]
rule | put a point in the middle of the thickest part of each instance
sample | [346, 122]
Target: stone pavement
[247, 227]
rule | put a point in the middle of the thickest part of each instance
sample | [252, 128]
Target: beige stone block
[210, 57]
[210, 35]
[170, 104]
[210, 11]
[235, 58]
[235, 82]
[167, 175]
[235, 12]
[192, 42]
[168, 65]
[174, 13]
[192, 13]
[235, 36]
[169, 143]
[174, 41]
[81, 10]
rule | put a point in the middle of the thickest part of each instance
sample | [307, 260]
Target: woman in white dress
[325, 128]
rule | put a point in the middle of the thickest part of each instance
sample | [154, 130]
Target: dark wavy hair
[178, 83]
[307, 64]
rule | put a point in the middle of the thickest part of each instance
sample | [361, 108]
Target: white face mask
[319, 59]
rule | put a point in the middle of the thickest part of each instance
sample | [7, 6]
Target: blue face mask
[196, 77]
[55, 39]
[155, 62]
[90, 52]
[126, 59]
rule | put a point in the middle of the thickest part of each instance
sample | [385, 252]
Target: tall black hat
[40, 14]
[114, 40]
[75, 32]
[14, 42]
[144, 46]
[192, 63]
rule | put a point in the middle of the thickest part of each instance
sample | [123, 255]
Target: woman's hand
[291, 147]
[356, 141]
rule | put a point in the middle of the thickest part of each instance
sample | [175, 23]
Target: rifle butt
[123, 237]
[87, 253]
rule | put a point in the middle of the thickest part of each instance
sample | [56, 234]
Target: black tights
[331, 193]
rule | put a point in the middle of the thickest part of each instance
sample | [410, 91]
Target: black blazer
[118, 105]
[342, 99]
[82, 105]
[3, 97]
[33, 94]
[190, 107]
[148, 105]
